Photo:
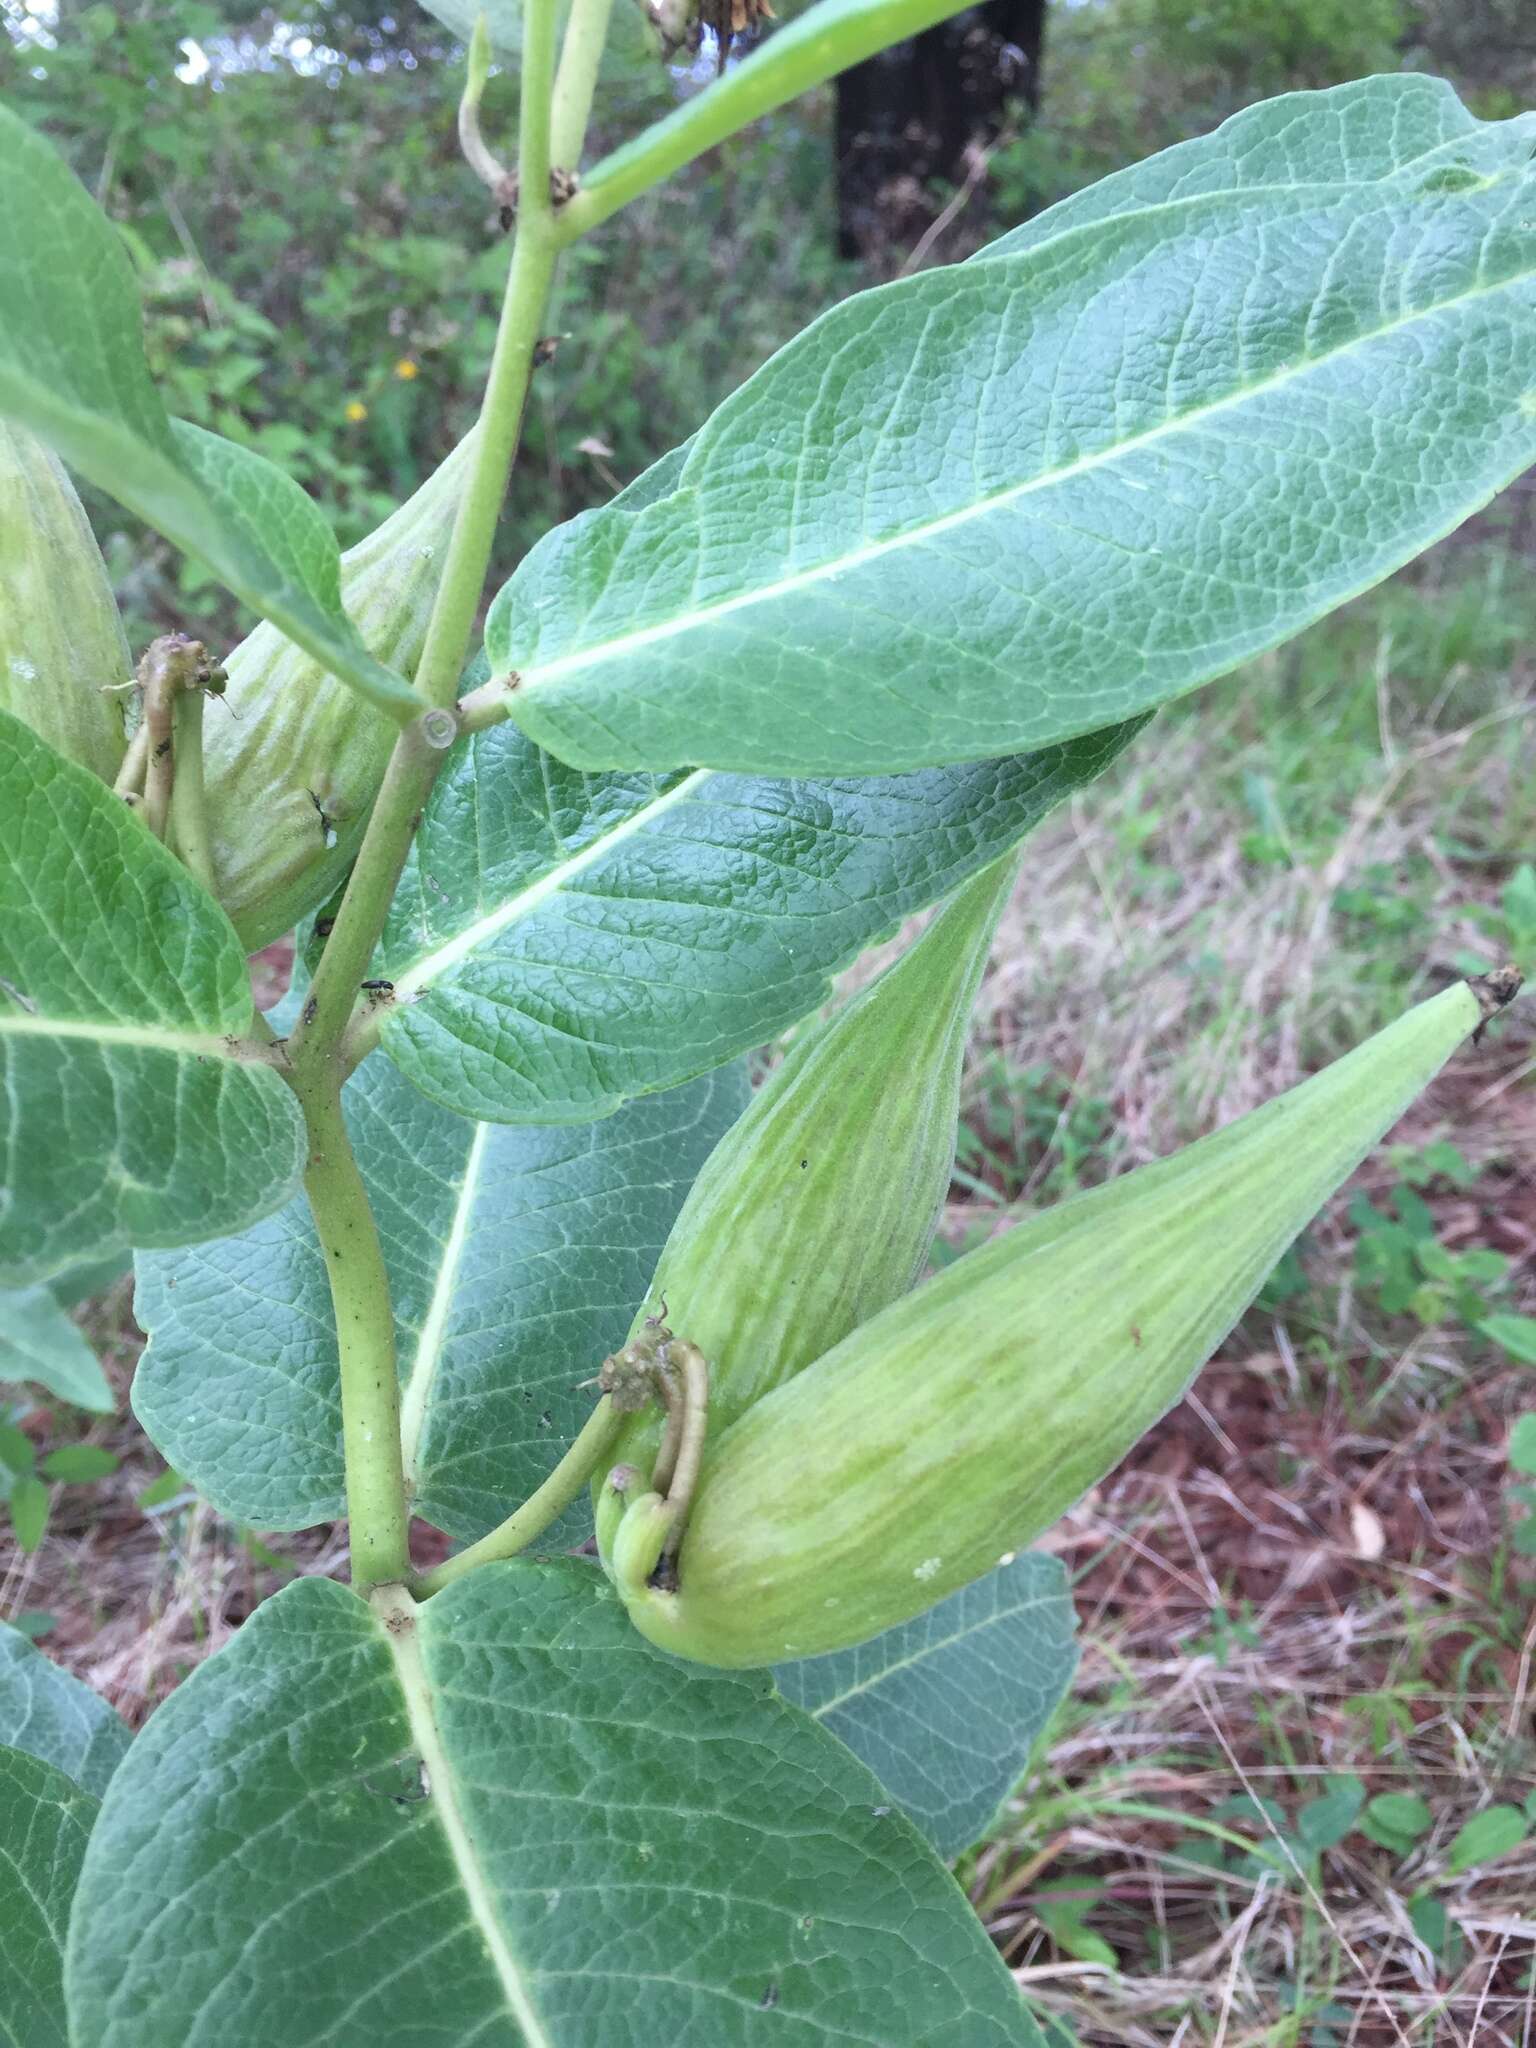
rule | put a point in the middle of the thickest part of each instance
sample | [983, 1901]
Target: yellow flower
[356, 411]
[405, 369]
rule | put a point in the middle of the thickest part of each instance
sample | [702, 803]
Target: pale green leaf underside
[72, 369]
[561, 942]
[985, 508]
[44, 1823]
[513, 1825]
[39, 1342]
[946, 1708]
[49, 1714]
[517, 1259]
[125, 1120]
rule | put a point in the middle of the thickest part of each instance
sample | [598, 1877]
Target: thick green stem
[338, 1198]
[541, 1508]
[189, 802]
[576, 81]
[417, 757]
[365, 1341]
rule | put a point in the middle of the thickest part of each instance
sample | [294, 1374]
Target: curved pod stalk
[63, 655]
[960, 1423]
[818, 1207]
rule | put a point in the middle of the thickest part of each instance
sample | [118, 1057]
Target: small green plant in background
[1510, 924]
[1402, 1265]
[1522, 1459]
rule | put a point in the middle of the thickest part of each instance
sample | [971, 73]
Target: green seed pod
[293, 765]
[819, 1206]
[961, 1422]
[62, 650]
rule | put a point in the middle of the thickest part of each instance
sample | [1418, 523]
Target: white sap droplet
[1007, 1557]
[551, 1900]
[927, 1568]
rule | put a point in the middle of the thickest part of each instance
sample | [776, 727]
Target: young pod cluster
[963, 1420]
[293, 763]
[64, 661]
[819, 1206]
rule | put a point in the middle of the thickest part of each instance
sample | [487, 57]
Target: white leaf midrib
[401, 1623]
[534, 674]
[431, 1337]
[429, 967]
[153, 1038]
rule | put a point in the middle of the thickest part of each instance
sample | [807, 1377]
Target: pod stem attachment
[594, 1442]
[129, 784]
[683, 1476]
[160, 724]
[189, 801]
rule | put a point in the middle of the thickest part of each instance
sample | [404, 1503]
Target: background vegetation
[1290, 1800]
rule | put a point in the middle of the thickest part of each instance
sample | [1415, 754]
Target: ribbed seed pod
[292, 766]
[962, 1421]
[819, 1206]
[62, 650]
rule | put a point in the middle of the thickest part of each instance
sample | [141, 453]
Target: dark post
[916, 113]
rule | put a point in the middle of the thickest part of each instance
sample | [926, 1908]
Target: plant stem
[189, 804]
[576, 81]
[130, 777]
[338, 1197]
[365, 1340]
[595, 1440]
[160, 762]
[690, 1451]
[802, 54]
[414, 764]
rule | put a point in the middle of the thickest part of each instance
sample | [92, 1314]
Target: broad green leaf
[39, 1342]
[986, 508]
[516, 1259]
[79, 1464]
[29, 1512]
[1486, 1836]
[44, 1825]
[1522, 1444]
[1512, 1333]
[508, 1822]
[1322, 1823]
[72, 369]
[1371, 130]
[81, 1283]
[946, 1708]
[561, 942]
[128, 1119]
[17, 1451]
[51, 1715]
[1396, 1820]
